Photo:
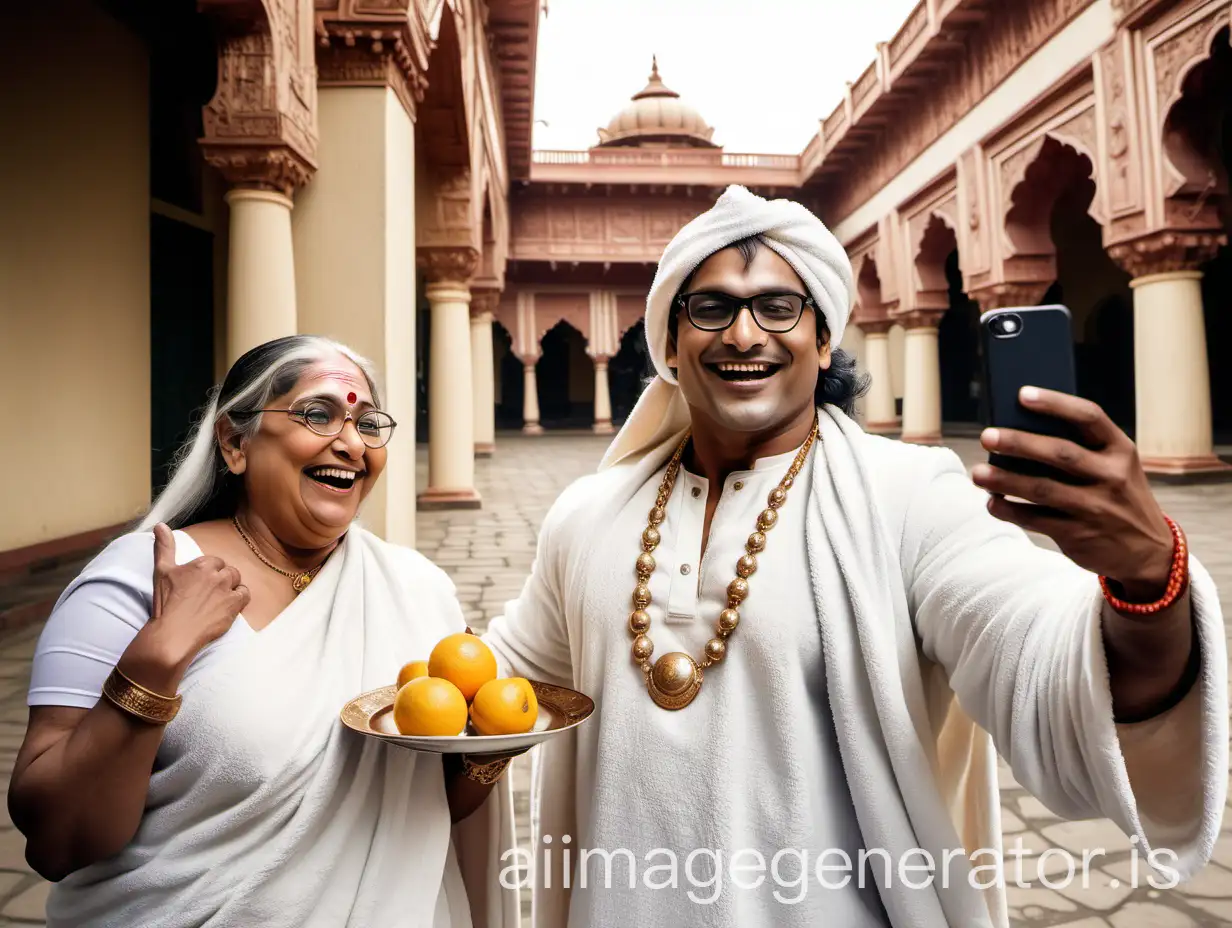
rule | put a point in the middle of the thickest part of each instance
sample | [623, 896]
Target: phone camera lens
[1006, 325]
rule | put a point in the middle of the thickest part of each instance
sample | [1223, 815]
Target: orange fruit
[506, 706]
[427, 706]
[465, 661]
[410, 671]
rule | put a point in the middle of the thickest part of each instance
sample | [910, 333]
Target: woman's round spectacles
[375, 427]
[773, 312]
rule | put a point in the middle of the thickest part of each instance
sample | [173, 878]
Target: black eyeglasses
[773, 312]
[375, 427]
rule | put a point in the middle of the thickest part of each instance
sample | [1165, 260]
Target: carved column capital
[281, 170]
[454, 265]
[362, 43]
[261, 125]
[1163, 252]
[920, 319]
[484, 302]
[876, 326]
[1011, 293]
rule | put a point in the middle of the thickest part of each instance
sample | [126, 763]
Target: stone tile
[1096, 893]
[1033, 810]
[13, 851]
[1143, 914]
[31, 904]
[1096, 835]
[1219, 908]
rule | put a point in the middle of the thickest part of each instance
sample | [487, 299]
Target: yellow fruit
[427, 706]
[465, 661]
[505, 707]
[410, 671]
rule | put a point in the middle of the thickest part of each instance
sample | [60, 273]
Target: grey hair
[201, 487]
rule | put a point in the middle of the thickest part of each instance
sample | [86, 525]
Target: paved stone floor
[488, 553]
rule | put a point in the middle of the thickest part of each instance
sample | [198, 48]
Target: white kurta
[934, 618]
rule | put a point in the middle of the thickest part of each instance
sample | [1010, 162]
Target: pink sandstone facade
[364, 169]
[992, 155]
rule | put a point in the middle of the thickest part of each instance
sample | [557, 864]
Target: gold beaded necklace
[675, 679]
[299, 581]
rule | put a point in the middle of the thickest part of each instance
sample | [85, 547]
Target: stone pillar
[451, 411]
[483, 304]
[260, 133]
[530, 399]
[1172, 374]
[353, 234]
[880, 414]
[603, 398]
[260, 270]
[922, 387]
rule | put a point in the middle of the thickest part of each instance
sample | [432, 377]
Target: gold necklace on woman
[675, 679]
[299, 580]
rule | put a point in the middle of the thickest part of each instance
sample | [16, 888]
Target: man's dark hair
[840, 385]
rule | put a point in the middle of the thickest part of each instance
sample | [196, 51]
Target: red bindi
[351, 398]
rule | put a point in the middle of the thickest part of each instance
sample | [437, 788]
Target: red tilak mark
[351, 398]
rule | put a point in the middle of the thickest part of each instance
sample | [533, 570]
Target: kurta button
[684, 568]
[739, 484]
[697, 491]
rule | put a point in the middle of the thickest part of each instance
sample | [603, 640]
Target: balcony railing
[674, 158]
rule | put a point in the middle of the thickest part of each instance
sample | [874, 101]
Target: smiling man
[807, 644]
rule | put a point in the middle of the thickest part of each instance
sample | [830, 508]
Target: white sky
[761, 72]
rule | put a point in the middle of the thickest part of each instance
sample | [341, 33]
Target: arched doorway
[1198, 143]
[566, 379]
[510, 383]
[941, 287]
[959, 349]
[1051, 218]
[629, 371]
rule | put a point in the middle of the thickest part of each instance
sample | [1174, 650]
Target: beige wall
[354, 231]
[74, 269]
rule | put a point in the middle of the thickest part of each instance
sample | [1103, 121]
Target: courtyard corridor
[488, 553]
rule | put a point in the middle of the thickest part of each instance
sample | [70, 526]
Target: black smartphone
[1027, 346]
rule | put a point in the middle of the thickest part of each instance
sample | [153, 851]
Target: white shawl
[263, 810]
[948, 636]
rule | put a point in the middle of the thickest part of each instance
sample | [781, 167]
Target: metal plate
[560, 709]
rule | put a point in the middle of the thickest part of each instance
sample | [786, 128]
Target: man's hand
[1110, 523]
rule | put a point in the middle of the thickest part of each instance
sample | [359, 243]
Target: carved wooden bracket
[374, 43]
[261, 125]
[1162, 252]
[448, 265]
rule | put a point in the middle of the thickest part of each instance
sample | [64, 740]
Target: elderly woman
[184, 762]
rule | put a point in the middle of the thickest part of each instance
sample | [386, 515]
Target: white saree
[263, 810]
[948, 636]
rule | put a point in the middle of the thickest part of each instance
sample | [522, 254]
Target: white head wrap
[788, 228]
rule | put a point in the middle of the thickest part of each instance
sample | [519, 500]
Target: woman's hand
[1108, 521]
[194, 604]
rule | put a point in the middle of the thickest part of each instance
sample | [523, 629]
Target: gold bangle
[140, 702]
[487, 774]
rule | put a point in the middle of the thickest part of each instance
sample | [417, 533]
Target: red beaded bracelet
[1178, 578]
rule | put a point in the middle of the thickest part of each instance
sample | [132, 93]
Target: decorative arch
[1185, 49]
[1048, 169]
[868, 286]
[1191, 139]
[936, 240]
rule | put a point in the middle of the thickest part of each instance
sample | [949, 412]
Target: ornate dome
[656, 117]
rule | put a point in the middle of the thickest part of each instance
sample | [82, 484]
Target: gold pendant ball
[674, 680]
[301, 582]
